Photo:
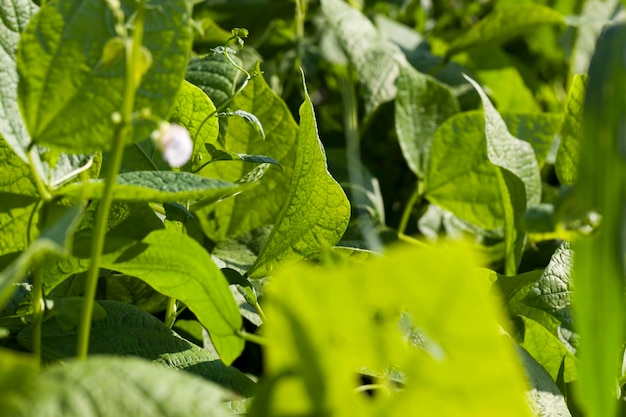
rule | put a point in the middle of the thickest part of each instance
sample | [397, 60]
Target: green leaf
[422, 104]
[566, 165]
[235, 216]
[176, 266]
[460, 177]
[504, 24]
[61, 67]
[214, 75]
[509, 152]
[54, 240]
[19, 217]
[519, 178]
[329, 323]
[156, 186]
[316, 212]
[544, 396]
[251, 120]
[195, 111]
[548, 350]
[15, 16]
[375, 59]
[538, 129]
[130, 290]
[17, 369]
[128, 331]
[15, 174]
[545, 296]
[599, 267]
[117, 387]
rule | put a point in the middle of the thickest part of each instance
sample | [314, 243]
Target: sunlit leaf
[316, 212]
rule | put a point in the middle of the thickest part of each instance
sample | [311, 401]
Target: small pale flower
[174, 143]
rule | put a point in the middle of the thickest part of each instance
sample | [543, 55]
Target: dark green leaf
[214, 75]
[128, 331]
[422, 104]
[501, 25]
[108, 386]
[156, 186]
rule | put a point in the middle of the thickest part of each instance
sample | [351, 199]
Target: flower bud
[174, 143]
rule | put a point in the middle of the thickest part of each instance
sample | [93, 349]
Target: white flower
[174, 143]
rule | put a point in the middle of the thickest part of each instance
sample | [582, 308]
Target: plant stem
[353, 151]
[260, 312]
[413, 200]
[170, 312]
[252, 338]
[38, 307]
[43, 191]
[133, 56]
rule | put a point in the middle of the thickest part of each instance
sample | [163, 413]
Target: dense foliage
[283, 208]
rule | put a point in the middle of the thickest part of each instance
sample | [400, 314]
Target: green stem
[43, 191]
[38, 307]
[260, 312]
[133, 57]
[353, 151]
[170, 312]
[249, 337]
[413, 200]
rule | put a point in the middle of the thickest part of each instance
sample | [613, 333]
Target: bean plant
[312, 208]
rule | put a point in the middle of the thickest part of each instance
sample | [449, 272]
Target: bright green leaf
[261, 204]
[544, 396]
[128, 331]
[548, 350]
[375, 59]
[108, 386]
[460, 177]
[19, 217]
[195, 111]
[177, 266]
[54, 240]
[566, 165]
[15, 16]
[422, 104]
[327, 324]
[316, 212]
[15, 174]
[156, 186]
[61, 68]
[501, 25]
[599, 266]
[545, 297]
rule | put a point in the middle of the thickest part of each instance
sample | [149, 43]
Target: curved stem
[133, 56]
[43, 191]
[260, 312]
[249, 337]
[413, 200]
